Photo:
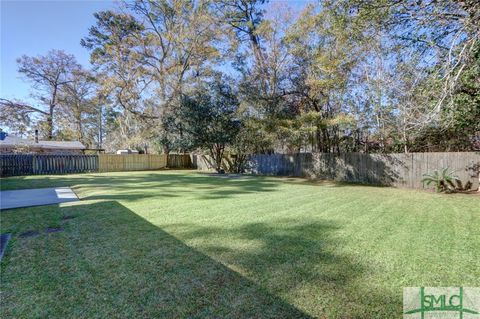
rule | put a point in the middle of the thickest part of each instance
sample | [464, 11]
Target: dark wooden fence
[179, 161]
[14, 165]
[32, 164]
[401, 170]
[29, 164]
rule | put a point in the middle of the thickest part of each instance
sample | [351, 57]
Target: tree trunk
[53, 102]
[50, 123]
[216, 151]
[166, 150]
[319, 140]
[405, 141]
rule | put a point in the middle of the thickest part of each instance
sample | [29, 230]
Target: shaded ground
[180, 244]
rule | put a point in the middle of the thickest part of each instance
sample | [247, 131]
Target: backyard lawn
[180, 244]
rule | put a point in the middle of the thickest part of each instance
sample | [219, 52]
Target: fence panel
[13, 165]
[400, 170]
[179, 161]
[131, 162]
[32, 164]
[64, 164]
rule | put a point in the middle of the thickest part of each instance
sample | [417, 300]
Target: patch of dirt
[30, 233]
[53, 229]
[471, 192]
[229, 175]
[67, 217]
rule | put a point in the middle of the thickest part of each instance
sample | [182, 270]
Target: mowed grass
[179, 244]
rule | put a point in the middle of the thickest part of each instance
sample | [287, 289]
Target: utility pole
[100, 128]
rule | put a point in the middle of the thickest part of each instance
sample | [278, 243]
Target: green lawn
[179, 244]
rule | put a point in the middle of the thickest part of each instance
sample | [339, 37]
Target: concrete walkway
[36, 197]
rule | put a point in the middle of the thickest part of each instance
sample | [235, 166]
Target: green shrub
[445, 181]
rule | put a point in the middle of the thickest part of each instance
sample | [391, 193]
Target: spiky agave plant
[443, 180]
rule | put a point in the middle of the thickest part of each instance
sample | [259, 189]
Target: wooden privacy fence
[28, 164]
[179, 161]
[401, 170]
[32, 164]
[131, 162]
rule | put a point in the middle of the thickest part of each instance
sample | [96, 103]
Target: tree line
[248, 76]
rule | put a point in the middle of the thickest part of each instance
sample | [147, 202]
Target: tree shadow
[134, 186]
[299, 261]
[359, 168]
[109, 262]
[378, 169]
[372, 169]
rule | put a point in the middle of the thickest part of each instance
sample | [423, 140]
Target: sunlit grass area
[179, 244]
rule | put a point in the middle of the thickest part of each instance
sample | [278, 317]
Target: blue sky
[34, 27]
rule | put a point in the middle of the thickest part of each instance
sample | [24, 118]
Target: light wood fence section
[131, 162]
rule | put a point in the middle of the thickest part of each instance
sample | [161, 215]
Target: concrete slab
[36, 197]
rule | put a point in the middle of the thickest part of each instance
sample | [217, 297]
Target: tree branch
[12, 104]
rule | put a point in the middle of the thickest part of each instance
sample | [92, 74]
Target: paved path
[36, 197]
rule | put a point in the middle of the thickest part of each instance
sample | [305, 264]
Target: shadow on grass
[322, 182]
[138, 185]
[301, 260]
[109, 262]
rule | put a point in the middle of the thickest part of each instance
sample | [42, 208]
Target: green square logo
[441, 303]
